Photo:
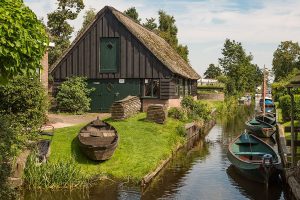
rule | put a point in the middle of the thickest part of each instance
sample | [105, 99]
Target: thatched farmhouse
[120, 58]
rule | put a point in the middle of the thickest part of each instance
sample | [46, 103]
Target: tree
[168, 31]
[150, 24]
[241, 74]
[285, 59]
[87, 20]
[59, 28]
[212, 71]
[23, 40]
[133, 14]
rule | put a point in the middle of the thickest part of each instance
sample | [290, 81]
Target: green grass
[142, 147]
[213, 104]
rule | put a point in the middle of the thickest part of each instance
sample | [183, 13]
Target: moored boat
[98, 140]
[254, 158]
[262, 126]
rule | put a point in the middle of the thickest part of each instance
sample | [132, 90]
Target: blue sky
[260, 25]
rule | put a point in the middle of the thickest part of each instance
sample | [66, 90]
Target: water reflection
[202, 172]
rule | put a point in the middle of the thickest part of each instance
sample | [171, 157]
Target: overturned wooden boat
[254, 158]
[262, 126]
[98, 140]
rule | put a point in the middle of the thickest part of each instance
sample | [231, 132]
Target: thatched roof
[157, 45]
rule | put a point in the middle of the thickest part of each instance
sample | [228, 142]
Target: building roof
[154, 43]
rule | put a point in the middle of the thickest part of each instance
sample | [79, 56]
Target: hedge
[285, 105]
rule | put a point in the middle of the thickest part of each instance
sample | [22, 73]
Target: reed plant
[60, 174]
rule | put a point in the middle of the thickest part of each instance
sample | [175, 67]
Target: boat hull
[255, 172]
[98, 142]
[98, 153]
[254, 158]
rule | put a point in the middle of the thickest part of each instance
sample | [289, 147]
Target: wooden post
[292, 129]
[264, 93]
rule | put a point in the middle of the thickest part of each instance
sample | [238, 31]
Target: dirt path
[65, 120]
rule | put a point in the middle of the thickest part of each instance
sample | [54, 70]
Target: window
[180, 85]
[151, 88]
[109, 54]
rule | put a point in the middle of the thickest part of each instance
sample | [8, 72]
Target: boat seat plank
[251, 153]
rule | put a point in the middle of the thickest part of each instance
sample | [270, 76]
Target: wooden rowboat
[254, 158]
[98, 140]
[261, 126]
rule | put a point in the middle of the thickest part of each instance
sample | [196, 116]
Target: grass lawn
[213, 104]
[142, 147]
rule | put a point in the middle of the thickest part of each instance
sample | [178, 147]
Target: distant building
[207, 81]
[119, 58]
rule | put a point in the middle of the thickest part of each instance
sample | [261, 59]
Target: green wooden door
[109, 90]
[109, 54]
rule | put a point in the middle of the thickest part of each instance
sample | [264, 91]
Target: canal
[200, 172]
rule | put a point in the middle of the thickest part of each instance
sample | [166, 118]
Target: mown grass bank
[142, 147]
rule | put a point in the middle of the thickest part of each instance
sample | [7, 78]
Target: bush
[285, 105]
[196, 110]
[8, 146]
[25, 101]
[188, 102]
[177, 113]
[73, 96]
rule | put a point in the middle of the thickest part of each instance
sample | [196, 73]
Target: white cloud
[204, 25]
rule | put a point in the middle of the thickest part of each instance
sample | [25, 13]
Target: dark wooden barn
[120, 57]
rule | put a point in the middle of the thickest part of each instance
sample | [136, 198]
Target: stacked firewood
[125, 108]
[157, 113]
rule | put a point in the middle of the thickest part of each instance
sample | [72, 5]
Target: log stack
[157, 113]
[125, 108]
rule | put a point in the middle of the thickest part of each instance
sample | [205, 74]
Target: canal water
[200, 172]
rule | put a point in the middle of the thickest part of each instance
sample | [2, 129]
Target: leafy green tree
[73, 96]
[212, 71]
[87, 20]
[25, 101]
[168, 30]
[241, 74]
[59, 27]
[285, 59]
[150, 24]
[133, 14]
[23, 40]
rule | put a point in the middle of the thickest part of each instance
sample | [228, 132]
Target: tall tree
[212, 71]
[133, 14]
[87, 19]
[59, 28]
[168, 31]
[23, 40]
[150, 24]
[285, 59]
[241, 74]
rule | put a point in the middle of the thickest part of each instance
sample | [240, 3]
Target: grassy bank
[142, 147]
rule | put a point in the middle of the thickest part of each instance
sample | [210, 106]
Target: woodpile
[125, 108]
[157, 113]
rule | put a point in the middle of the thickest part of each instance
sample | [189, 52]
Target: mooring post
[292, 128]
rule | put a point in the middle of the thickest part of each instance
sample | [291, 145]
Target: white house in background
[207, 81]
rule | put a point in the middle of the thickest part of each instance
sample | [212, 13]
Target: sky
[204, 25]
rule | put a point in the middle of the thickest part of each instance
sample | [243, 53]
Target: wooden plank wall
[168, 89]
[136, 61]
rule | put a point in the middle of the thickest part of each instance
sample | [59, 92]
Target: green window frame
[109, 54]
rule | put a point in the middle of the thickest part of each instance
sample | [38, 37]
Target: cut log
[157, 113]
[125, 108]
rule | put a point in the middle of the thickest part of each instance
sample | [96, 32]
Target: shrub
[196, 110]
[73, 96]
[187, 102]
[8, 146]
[177, 113]
[285, 105]
[25, 101]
